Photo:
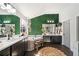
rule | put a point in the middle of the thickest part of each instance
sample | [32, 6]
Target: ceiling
[31, 10]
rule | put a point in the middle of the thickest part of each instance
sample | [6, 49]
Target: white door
[66, 33]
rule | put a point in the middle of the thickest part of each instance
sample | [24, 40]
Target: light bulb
[52, 21]
[48, 21]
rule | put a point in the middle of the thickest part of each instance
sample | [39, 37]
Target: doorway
[66, 33]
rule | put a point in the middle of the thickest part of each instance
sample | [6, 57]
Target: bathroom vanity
[52, 33]
[13, 47]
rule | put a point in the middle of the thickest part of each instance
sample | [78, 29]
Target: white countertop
[35, 37]
[53, 35]
[5, 43]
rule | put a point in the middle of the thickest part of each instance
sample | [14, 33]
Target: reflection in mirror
[53, 29]
[7, 29]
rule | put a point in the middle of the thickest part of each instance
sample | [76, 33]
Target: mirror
[7, 29]
[54, 29]
[48, 28]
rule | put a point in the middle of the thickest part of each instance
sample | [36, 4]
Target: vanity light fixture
[50, 21]
[6, 21]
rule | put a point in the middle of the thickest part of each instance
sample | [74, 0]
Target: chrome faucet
[9, 36]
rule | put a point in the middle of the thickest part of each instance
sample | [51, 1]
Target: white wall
[73, 36]
[2, 12]
[66, 34]
[70, 13]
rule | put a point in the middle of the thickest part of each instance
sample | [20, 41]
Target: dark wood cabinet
[25, 45]
[15, 50]
[18, 48]
[5, 52]
[54, 39]
[57, 39]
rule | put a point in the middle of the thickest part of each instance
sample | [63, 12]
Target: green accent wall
[36, 23]
[14, 20]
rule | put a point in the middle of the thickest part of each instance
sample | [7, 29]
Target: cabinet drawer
[57, 39]
[18, 48]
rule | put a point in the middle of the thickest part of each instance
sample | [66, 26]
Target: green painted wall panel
[14, 20]
[36, 23]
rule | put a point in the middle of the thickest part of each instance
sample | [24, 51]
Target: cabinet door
[18, 48]
[26, 45]
[57, 39]
[66, 31]
[46, 38]
[5, 52]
